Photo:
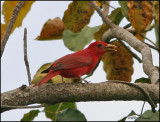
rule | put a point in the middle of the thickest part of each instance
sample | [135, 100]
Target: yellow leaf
[57, 79]
[140, 14]
[118, 65]
[77, 15]
[52, 29]
[7, 11]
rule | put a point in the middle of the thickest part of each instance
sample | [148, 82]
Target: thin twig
[25, 56]
[21, 107]
[153, 47]
[149, 29]
[106, 8]
[104, 18]
[107, 3]
[150, 101]
[10, 25]
[127, 26]
[147, 39]
[133, 54]
[142, 109]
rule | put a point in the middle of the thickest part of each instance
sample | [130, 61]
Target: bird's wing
[71, 61]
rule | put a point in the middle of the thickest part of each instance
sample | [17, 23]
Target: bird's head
[102, 47]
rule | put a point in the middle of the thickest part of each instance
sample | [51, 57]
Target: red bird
[79, 63]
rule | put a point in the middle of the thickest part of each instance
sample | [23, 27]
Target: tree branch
[122, 34]
[77, 92]
[25, 57]
[10, 25]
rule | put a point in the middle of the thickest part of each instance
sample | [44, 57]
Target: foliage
[71, 115]
[52, 112]
[149, 116]
[30, 116]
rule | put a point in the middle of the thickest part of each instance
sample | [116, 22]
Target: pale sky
[13, 70]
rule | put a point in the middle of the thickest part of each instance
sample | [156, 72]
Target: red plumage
[79, 63]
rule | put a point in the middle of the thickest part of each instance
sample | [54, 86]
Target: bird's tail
[47, 78]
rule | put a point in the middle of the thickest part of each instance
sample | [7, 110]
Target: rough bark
[77, 92]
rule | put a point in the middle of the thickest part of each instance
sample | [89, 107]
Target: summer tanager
[79, 63]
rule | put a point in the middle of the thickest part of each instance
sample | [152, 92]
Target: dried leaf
[7, 11]
[140, 14]
[77, 15]
[52, 29]
[57, 79]
[118, 65]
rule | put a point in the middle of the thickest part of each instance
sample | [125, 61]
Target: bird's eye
[99, 45]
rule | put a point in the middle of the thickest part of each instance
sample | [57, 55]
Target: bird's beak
[110, 47]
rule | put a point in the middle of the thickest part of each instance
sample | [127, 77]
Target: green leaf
[52, 111]
[124, 8]
[149, 116]
[71, 115]
[30, 116]
[116, 16]
[77, 41]
[130, 114]
[143, 80]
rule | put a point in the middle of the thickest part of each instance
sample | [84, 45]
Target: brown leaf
[118, 65]
[77, 15]
[52, 29]
[140, 14]
[7, 11]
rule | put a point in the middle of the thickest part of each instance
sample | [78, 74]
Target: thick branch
[122, 34]
[55, 93]
[10, 24]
